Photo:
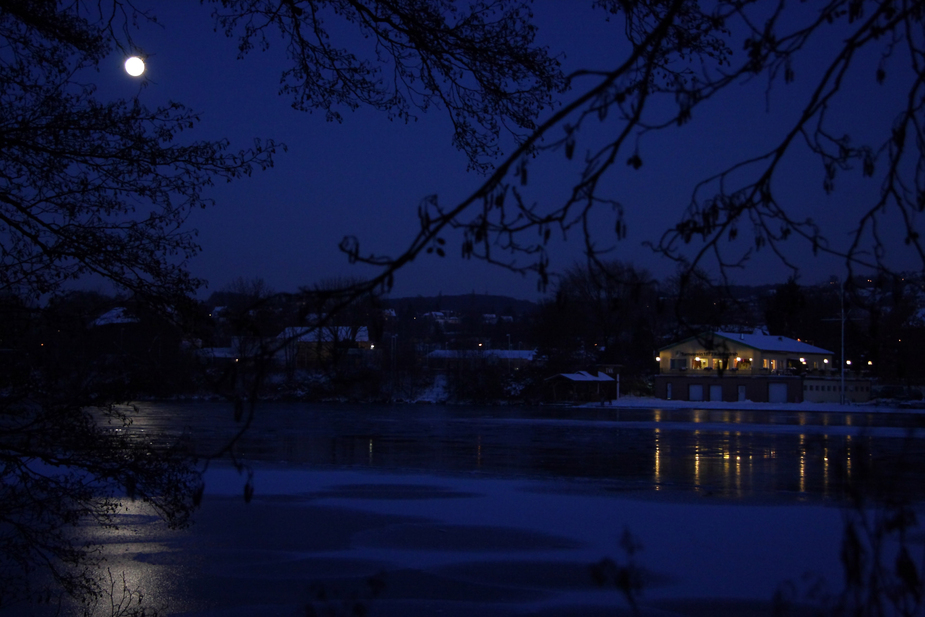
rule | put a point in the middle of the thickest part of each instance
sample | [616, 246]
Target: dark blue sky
[367, 175]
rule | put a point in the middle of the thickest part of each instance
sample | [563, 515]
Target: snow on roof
[583, 376]
[649, 402]
[118, 315]
[764, 342]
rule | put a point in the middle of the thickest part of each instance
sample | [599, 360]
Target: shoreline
[875, 406]
[624, 402]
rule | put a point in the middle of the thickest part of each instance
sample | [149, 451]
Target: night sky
[367, 175]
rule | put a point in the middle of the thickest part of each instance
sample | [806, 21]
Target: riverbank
[876, 406]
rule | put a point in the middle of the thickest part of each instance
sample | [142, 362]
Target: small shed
[580, 386]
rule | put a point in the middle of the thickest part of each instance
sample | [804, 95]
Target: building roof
[582, 376]
[118, 315]
[763, 342]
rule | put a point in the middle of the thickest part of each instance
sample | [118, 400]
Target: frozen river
[784, 456]
[427, 510]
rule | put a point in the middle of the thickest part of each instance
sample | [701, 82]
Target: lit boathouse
[732, 366]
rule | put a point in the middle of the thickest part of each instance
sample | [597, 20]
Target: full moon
[134, 66]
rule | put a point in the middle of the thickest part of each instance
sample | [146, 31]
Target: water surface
[425, 510]
[728, 453]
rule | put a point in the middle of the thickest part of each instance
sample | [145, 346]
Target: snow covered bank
[881, 406]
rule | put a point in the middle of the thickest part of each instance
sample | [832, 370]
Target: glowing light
[848, 362]
[134, 66]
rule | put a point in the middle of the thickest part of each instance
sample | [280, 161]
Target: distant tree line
[613, 315]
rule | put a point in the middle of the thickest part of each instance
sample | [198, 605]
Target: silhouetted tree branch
[91, 186]
[475, 61]
[87, 186]
[681, 56]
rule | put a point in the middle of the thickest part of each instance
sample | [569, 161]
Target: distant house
[306, 346]
[581, 386]
[443, 318]
[123, 331]
[754, 353]
[731, 366]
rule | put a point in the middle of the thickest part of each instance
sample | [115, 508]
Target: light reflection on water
[128, 580]
[720, 452]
